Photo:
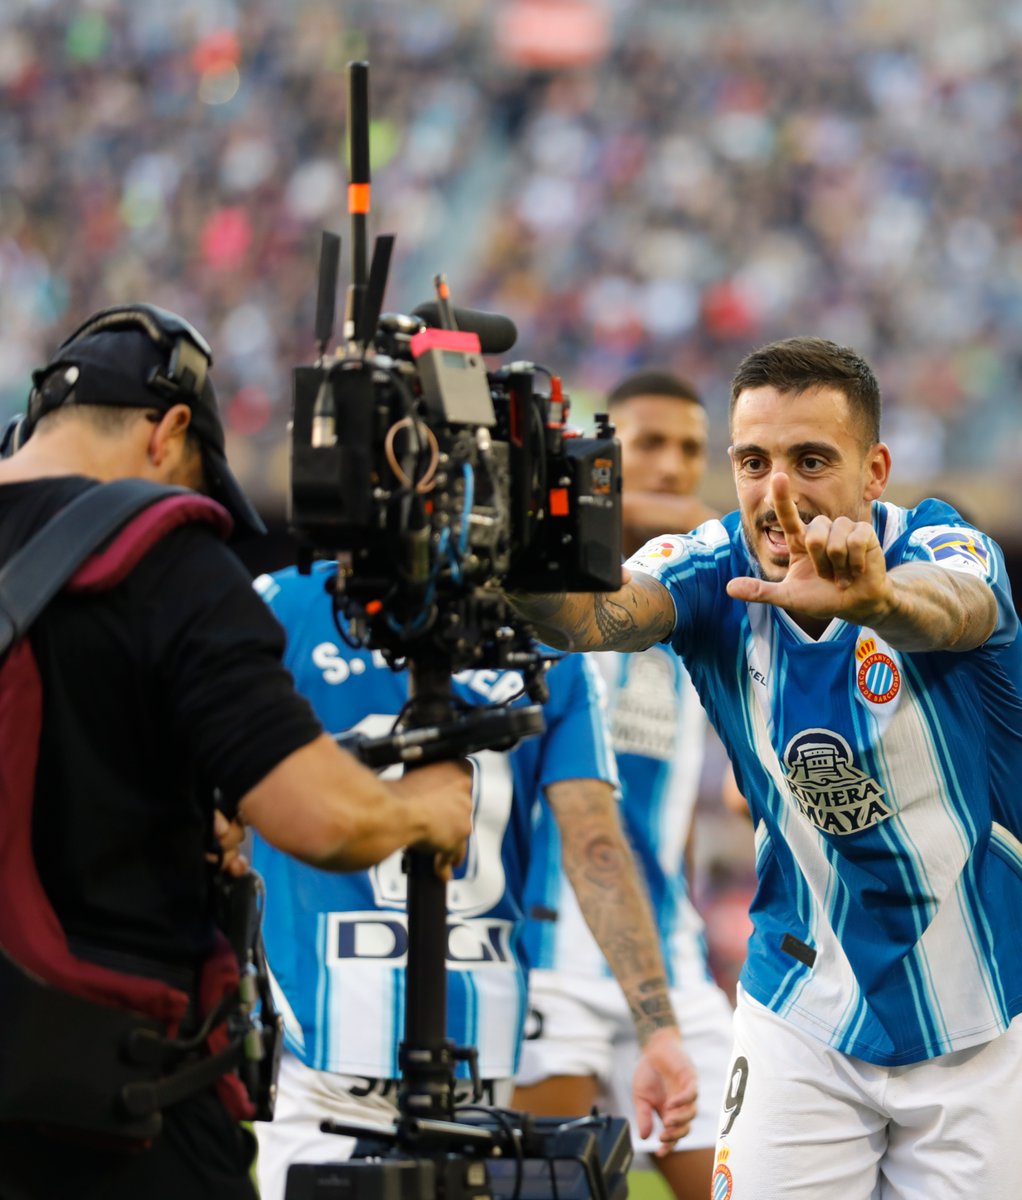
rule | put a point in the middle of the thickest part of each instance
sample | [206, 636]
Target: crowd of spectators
[704, 177]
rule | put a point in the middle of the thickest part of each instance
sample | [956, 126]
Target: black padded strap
[141, 1099]
[34, 575]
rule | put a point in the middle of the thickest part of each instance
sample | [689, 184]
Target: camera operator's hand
[665, 1083]
[443, 794]
[230, 835]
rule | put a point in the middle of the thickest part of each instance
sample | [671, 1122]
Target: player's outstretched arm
[836, 568]
[637, 615]
[601, 868]
[324, 807]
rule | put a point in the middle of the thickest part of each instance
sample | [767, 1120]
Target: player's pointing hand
[836, 566]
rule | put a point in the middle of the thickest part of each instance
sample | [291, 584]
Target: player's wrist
[669, 1031]
[879, 609]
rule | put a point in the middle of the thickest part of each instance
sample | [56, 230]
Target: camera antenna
[358, 191]
[372, 301]
[443, 302]
[326, 296]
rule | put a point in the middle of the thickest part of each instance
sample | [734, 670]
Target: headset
[189, 358]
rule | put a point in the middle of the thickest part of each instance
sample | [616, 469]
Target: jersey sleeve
[689, 566]
[576, 743]
[956, 546]
[292, 598]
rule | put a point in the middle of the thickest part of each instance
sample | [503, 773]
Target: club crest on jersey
[723, 1183]
[828, 788]
[877, 676]
[960, 550]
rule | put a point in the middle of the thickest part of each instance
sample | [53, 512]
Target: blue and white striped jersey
[658, 730]
[885, 789]
[336, 944]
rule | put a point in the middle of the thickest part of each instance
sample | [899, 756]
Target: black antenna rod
[358, 186]
[372, 301]
[326, 296]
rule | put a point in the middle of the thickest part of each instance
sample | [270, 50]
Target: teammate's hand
[646, 515]
[443, 792]
[665, 1083]
[836, 567]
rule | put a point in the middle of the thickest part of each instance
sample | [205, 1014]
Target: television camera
[438, 481]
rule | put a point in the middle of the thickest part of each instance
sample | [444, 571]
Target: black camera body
[437, 483]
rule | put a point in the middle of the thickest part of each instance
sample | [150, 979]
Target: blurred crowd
[633, 182]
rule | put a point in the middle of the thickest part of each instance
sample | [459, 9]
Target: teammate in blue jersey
[580, 1049]
[337, 948]
[863, 665]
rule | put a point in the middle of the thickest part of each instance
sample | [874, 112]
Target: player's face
[815, 440]
[663, 444]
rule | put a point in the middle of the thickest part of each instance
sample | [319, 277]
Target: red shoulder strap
[111, 565]
[29, 928]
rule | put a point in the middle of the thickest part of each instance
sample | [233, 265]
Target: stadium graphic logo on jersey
[877, 677]
[828, 788]
[645, 716]
[960, 550]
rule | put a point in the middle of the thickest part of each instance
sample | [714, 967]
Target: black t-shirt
[155, 693]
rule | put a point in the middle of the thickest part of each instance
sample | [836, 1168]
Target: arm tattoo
[603, 873]
[632, 618]
[651, 1007]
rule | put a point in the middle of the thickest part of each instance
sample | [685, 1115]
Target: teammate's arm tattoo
[601, 868]
[632, 618]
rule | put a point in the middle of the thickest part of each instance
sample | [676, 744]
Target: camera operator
[336, 946]
[154, 694]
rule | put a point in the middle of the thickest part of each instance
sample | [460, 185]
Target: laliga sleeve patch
[656, 554]
[960, 550]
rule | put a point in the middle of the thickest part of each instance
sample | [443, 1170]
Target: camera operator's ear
[169, 426]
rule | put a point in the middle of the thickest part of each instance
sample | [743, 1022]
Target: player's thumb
[643, 1116]
[745, 587]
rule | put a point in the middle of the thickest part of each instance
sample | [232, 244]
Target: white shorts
[305, 1097]
[582, 1026]
[802, 1120]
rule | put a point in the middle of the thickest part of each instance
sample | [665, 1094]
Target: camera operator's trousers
[801, 1121]
[202, 1153]
[306, 1097]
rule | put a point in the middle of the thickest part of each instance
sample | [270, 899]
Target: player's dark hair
[799, 363]
[653, 383]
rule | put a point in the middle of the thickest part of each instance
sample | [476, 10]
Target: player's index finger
[784, 506]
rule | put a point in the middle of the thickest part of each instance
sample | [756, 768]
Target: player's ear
[878, 471]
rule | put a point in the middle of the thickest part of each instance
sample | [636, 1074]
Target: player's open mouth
[776, 539]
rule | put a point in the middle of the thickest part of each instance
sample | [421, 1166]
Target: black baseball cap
[141, 356]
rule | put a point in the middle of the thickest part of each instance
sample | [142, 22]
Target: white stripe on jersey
[925, 829]
[831, 986]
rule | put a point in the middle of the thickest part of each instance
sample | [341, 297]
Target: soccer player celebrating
[863, 666]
